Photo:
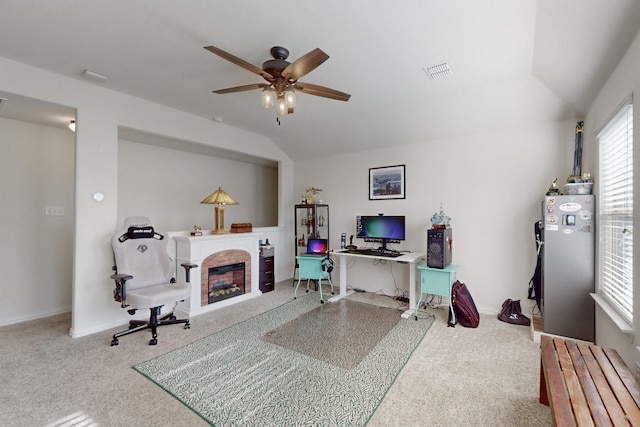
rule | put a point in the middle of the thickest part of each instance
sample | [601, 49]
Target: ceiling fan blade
[304, 65]
[241, 88]
[240, 62]
[322, 91]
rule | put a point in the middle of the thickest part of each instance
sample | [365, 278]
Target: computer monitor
[381, 227]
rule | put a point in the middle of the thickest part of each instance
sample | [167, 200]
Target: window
[615, 222]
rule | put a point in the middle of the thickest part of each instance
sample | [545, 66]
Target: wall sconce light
[220, 198]
[72, 125]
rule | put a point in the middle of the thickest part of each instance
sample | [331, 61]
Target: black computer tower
[439, 247]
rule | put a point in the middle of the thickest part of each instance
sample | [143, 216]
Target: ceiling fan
[282, 78]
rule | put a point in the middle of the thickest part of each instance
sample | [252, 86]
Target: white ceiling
[516, 62]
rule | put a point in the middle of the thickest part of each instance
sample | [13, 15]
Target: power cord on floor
[429, 303]
[424, 315]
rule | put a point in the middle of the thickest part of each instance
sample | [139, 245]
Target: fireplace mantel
[195, 249]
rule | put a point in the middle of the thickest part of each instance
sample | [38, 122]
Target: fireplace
[224, 275]
[225, 281]
[209, 252]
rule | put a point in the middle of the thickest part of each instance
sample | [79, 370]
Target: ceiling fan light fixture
[290, 97]
[268, 97]
[282, 78]
[283, 108]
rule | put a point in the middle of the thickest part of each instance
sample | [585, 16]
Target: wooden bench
[587, 385]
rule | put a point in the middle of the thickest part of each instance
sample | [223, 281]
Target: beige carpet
[456, 377]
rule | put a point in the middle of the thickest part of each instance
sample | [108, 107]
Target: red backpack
[464, 307]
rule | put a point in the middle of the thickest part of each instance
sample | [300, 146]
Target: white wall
[100, 112]
[171, 183]
[621, 84]
[491, 185]
[36, 171]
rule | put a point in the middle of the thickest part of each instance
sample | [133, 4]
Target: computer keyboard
[375, 252]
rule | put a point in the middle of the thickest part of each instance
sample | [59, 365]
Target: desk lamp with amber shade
[220, 198]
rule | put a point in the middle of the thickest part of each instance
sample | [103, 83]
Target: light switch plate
[54, 210]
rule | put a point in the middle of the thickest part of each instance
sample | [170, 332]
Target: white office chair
[145, 277]
[314, 268]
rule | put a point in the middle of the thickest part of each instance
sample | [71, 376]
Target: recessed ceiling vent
[439, 71]
[96, 77]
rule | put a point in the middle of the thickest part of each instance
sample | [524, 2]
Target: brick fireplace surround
[220, 259]
[212, 251]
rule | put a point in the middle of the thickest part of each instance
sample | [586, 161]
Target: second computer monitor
[381, 228]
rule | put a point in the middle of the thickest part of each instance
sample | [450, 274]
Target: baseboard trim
[99, 328]
[34, 316]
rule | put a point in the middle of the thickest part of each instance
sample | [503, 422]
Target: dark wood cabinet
[267, 278]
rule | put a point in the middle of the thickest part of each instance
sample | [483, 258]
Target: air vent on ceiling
[96, 77]
[439, 71]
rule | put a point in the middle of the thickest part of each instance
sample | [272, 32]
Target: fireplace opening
[226, 281]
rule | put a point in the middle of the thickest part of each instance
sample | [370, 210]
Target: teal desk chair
[314, 268]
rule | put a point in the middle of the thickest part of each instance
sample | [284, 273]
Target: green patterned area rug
[250, 374]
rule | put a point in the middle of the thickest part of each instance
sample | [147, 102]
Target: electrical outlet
[54, 210]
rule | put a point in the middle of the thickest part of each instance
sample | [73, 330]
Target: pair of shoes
[518, 317]
[512, 313]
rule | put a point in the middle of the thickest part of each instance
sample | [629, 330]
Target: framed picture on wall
[387, 182]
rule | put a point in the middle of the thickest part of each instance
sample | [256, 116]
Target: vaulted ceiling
[514, 63]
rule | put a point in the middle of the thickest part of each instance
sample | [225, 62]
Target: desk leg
[343, 280]
[412, 292]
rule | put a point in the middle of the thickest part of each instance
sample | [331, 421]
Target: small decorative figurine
[440, 219]
[196, 231]
[312, 194]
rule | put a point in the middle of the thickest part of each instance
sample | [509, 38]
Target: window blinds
[615, 223]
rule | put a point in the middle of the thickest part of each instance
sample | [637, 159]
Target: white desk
[411, 258]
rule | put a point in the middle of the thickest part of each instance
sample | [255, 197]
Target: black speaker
[439, 247]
